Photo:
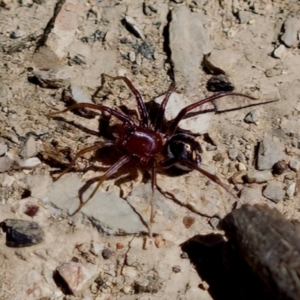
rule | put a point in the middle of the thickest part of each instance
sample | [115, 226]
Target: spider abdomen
[142, 143]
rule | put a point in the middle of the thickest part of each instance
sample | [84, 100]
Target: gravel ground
[53, 53]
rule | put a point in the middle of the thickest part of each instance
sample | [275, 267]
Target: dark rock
[219, 83]
[107, 253]
[279, 168]
[21, 233]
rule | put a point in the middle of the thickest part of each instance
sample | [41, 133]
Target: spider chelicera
[152, 146]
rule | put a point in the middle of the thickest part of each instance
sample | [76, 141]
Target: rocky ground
[53, 53]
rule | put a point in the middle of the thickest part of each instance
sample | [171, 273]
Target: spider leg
[81, 152]
[212, 177]
[122, 117]
[162, 107]
[111, 171]
[144, 118]
[174, 124]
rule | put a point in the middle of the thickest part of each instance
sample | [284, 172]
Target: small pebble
[233, 153]
[131, 56]
[107, 253]
[29, 149]
[119, 246]
[294, 164]
[96, 248]
[242, 167]
[279, 168]
[291, 29]
[291, 190]
[219, 83]
[214, 222]
[176, 269]
[252, 117]
[274, 192]
[259, 176]
[3, 149]
[188, 221]
[184, 255]
[29, 163]
[22, 233]
[5, 163]
[279, 51]
[127, 290]
[129, 272]
[130, 22]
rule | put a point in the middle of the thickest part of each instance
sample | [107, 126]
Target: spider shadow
[227, 275]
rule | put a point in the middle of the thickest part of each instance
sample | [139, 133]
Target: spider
[146, 143]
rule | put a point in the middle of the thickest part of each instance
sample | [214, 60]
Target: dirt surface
[51, 50]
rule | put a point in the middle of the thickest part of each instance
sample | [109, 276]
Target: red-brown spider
[146, 143]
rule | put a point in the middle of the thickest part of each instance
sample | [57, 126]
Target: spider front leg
[83, 151]
[110, 172]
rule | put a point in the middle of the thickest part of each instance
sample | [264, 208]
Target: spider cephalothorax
[147, 144]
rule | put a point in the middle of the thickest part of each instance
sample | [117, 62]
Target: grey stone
[106, 210]
[198, 123]
[188, 43]
[291, 190]
[3, 149]
[270, 151]
[274, 192]
[279, 51]
[77, 276]
[22, 233]
[291, 29]
[29, 163]
[233, 153]
[134, 27]
[79, 95]
[29, 149]
[259, 176]
[252, 117]
[5, 163]
[250, 195]
[294, 164]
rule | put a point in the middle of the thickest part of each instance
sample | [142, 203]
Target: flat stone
[291, 29]
[29, 149]
[188, 43]
[279, 51]
[3, 149]
[270, 151]
[274, 192]
[79, 95]
[29, 163]
[259, 176]
[233, 153]
[22, 233]
[294, 164]
[65, 27]
[291, 190]
[5, 163]
[252, 117]
[198, 123]
[56, 77]
[106, 210]
[250, 195]
[38, 185]
[77, 276]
